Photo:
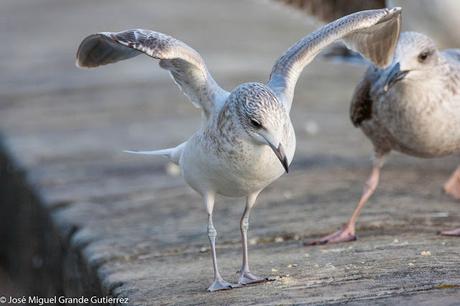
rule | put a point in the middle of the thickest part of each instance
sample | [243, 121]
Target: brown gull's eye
[423, 56]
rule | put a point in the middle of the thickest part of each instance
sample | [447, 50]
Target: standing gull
[412, 107]
[246, 140]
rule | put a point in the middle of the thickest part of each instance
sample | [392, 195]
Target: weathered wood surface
[141, 231]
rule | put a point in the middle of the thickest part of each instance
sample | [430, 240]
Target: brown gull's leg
[347, 233]
[452, 188]
[454, 232]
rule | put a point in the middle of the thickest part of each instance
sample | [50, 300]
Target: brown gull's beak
[394, 76]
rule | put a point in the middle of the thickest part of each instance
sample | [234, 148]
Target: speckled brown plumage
[361, 102]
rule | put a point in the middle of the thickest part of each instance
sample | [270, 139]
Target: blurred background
[65, 128]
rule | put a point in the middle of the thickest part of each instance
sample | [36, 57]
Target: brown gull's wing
[362, 102]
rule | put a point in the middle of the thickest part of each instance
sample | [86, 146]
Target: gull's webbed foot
[247, 278]
[454, 232]
[221, 284]
[452, 186]
[343, 235]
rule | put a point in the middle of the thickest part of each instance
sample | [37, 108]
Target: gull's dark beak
[394, 76]
[279, 152]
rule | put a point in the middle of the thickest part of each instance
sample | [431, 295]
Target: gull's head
[415, 55]
[262, 116]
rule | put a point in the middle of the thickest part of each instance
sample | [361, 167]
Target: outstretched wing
[184, 63]
[372, 33]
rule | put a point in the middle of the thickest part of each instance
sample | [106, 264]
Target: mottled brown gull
[246, 140]
[412, 107]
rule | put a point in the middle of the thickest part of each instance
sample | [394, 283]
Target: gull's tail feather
[173, 154]
[165, 152]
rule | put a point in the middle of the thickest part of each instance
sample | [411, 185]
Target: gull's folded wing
[184, 63]
[453, 54]
[372, 33]
[362, 100]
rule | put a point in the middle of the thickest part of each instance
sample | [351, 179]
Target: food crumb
[286, 279]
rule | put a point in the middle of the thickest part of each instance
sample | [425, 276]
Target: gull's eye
[256, 124]
[422, 57]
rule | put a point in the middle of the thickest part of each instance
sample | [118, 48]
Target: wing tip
[85, 64]
[390, 13]
[395, 10]
[80, 64]
[83, 58]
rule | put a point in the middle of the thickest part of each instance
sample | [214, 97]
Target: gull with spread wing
[412, 107]
[246, 140]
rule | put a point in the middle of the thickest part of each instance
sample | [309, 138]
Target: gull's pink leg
[454, 232]
[347, 233]
[452, 188]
